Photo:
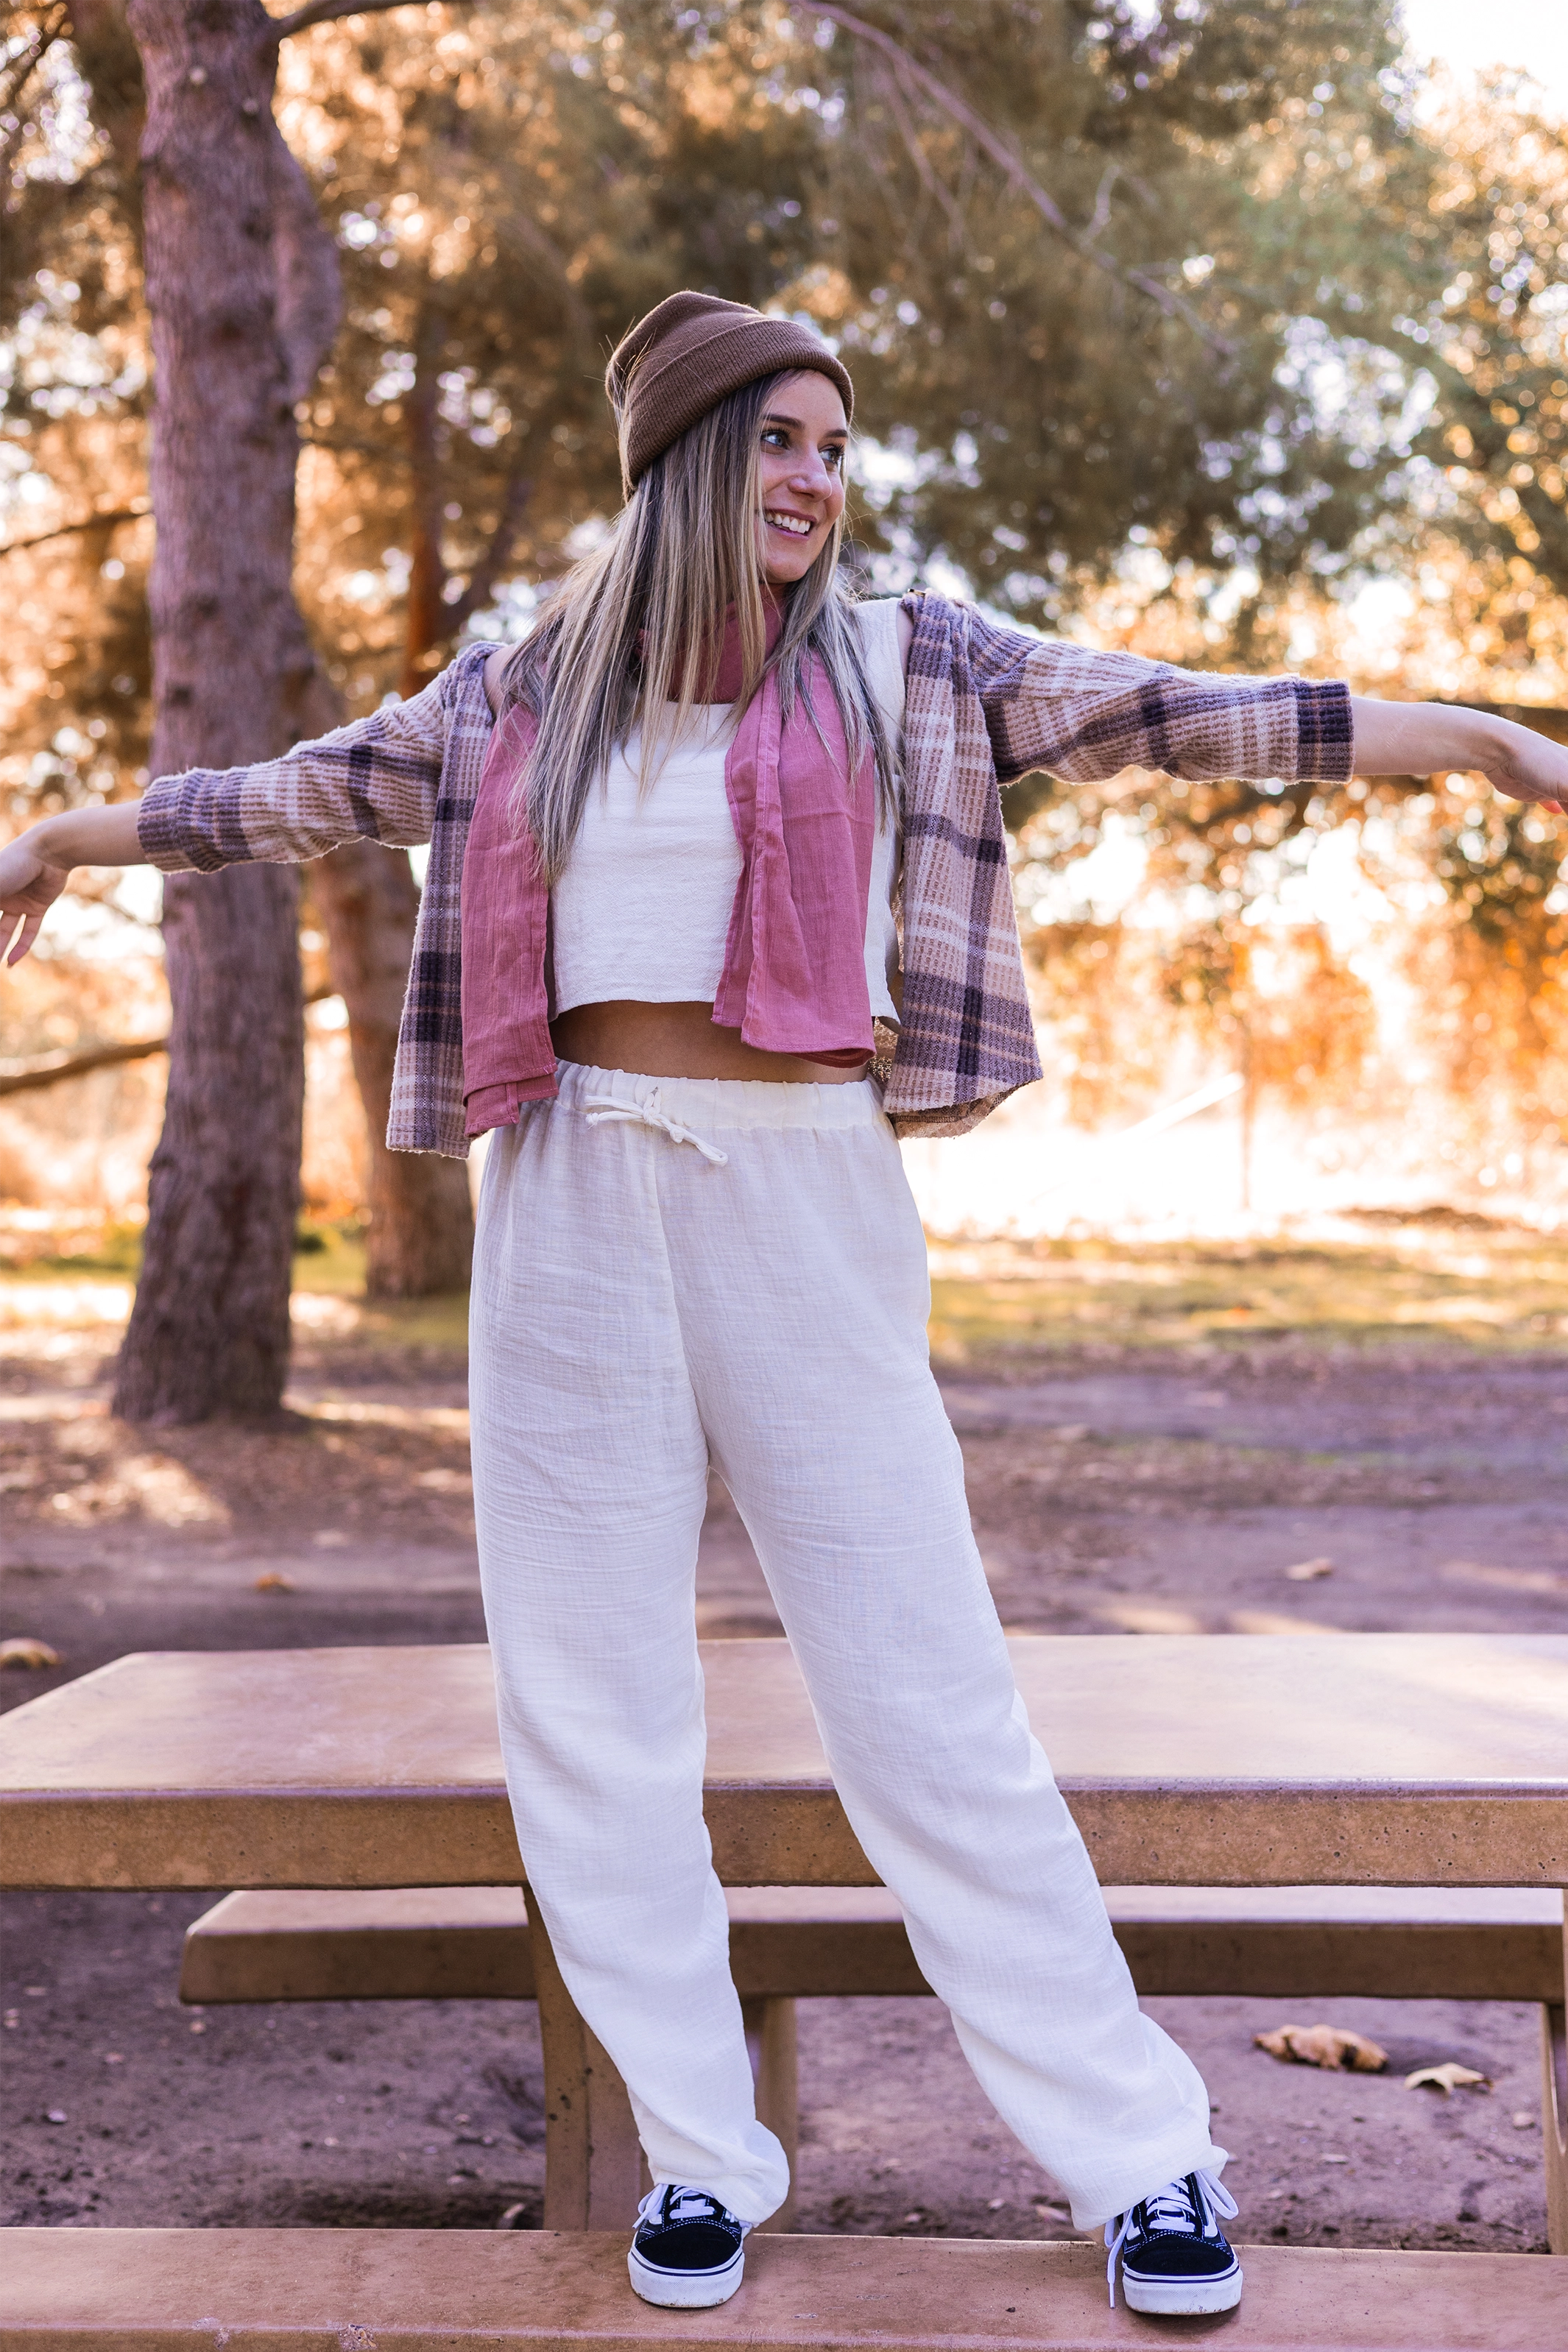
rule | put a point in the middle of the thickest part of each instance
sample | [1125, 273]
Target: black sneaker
[688, 2250]
[1175, 2258]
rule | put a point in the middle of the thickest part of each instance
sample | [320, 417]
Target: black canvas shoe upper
[1174, 2234]
[686, 2230]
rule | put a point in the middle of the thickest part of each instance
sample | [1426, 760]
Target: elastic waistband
[711, 1105]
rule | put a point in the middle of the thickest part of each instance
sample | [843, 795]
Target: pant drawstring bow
[598, 1109]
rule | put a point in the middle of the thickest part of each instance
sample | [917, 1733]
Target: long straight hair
[632, 637]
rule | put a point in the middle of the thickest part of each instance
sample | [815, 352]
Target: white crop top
[642, 911]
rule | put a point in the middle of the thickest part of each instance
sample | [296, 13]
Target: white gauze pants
[674, 1272]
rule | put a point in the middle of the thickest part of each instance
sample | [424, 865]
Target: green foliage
[1500, 864]
[510, 185]
[1058, 418]
[1206, 363]
[1491, 331]
[506, 200]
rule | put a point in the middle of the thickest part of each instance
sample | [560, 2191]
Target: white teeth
[796, 523]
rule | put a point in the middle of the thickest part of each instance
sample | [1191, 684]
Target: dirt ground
[1153, 1443]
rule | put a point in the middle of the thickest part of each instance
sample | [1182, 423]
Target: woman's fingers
[1535, 769]
[31, 926]
[28, 888]
[25, 924]
[1517, 788]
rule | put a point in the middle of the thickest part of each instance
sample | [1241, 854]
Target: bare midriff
[677, 1041]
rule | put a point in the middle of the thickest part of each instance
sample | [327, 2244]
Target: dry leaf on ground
[1448, 2077]
[24, 1651]
[1307, 1571]
[1323, 2045]
[273, 1581]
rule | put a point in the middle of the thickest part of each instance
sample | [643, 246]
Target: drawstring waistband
[600, 1107]
[691, 1110]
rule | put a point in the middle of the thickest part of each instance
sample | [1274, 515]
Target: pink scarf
[794, 980]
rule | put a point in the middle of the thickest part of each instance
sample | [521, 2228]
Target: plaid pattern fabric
[408, 773]
[984, 706]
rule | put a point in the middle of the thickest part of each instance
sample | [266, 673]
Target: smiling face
[800, 474]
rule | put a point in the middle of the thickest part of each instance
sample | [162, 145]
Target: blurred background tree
[1152, 313]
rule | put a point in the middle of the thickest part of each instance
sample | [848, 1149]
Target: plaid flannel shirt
[984, 705]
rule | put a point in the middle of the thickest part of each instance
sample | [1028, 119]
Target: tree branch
[70, 529]
[947, 102]
[543, 249]
[489, 569]
[102, 1058]
[25, 64]
[310, 281]
[23, 68]
[329, 11]
[930, 180]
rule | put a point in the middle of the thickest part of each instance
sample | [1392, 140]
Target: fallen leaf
[1307, 1571]
[273, 1581]
[1450, 2076]
[24, 1651]
[1323, 2045]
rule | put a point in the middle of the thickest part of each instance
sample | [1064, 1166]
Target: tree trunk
[421, 1236]
[428, 624]
[241, 287]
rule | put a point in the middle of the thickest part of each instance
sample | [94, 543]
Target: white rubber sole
[685, 2290]
[1182, 2298]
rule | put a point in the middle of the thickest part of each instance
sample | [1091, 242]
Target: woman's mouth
[797, 526]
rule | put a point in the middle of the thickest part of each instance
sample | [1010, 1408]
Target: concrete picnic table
[1381, 1761]
[1378, 1759]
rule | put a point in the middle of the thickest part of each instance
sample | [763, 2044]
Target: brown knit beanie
[687, 355]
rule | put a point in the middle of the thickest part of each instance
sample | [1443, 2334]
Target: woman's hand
[28, 888]
[1419, 739]
[36, 866]
[1529, 767]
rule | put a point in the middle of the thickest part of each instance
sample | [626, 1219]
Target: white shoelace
[685, 2205]
[1171, 2207]
[600, 1107]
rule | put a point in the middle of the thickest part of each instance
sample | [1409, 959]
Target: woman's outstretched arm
[1084, 714]
[36, 865]
[377, 779]
[1419, 739]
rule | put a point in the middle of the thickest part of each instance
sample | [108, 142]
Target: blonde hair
[633, 635]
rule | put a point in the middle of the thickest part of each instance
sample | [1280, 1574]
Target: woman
[658, 962]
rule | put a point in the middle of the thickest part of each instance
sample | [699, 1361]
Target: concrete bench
[792, 1943]
[438, 2290]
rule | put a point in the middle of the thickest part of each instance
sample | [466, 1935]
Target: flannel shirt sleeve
[374, 779]
[1084, 716]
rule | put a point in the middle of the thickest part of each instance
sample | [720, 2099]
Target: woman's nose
[811, 476]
